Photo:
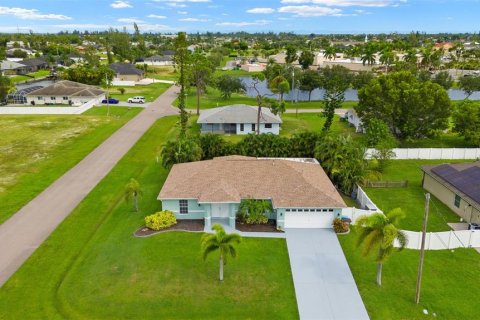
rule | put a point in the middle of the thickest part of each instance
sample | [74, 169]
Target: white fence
[443, 240]
[432, 153]
[354, 213]
[364, 201]
[50, 110]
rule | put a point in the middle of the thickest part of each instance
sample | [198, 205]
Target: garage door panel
[308, 219]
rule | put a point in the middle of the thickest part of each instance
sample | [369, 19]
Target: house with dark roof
[301, 194]
[457, 186]
[12, 68]
[166, 59]
[35, 64]
[65, 92]
[127, 72]
[238, 119]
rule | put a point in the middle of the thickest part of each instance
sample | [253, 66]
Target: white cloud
[129, 20]
[101, 27]
[310, 11]
[31, 14]
[244, 23]
[119, 4]
[182, 12]
[194, 20]
[261, 10]
[176, 5]
[346, 3]
[182, 1]
[156, 16]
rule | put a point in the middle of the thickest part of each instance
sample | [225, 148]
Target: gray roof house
[11, 67]
[65, 92]
[127, 72]
[238, 119]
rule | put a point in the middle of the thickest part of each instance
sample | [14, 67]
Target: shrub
[160, 220]
[340, 226]
[253, 211]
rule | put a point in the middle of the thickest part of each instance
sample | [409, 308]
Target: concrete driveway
[324, 285]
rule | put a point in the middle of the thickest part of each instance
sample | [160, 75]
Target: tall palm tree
[132, 191]
[221, 241]
[368, 56]
[411, 57]
[330, 53]
[387, 57]
[380, 231]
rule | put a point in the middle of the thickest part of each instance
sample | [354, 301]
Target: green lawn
[36, 150]
[92, 267]
[150, 92]
[412, 199]
[162, 73]
[30, 76]
[447, 289]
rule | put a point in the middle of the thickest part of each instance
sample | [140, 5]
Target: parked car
[138, 99]
[110, 101]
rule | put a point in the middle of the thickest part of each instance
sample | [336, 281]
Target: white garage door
[308, 219]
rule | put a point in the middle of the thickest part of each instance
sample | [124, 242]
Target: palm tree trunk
[135, 197]
[198, 100]
[379, 273]
[258, 119]
[309, 96]
[221, 268]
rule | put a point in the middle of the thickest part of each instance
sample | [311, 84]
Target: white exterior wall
[432, 153]
[247, 128]
[59, 99]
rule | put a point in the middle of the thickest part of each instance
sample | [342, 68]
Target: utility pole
[422, 249]
[108, 95]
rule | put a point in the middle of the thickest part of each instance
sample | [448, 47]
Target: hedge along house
[301, 194]
[238, 119]
[457, 186]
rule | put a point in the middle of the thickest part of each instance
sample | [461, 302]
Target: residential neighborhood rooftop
[125, 68]
[237, 113]
[68, 88]
[287, 183]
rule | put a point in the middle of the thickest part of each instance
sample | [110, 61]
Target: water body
[317, 94]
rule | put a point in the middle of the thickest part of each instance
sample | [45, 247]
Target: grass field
[412, 198]
[150, 92]
[162, 73]
[446, 292]
[92, 267]
[30, 76]
[36, 150]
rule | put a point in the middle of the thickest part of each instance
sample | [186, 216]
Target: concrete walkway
[29, 227]
[324, 285]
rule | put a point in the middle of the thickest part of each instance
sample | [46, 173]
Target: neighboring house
[354, 120]
[11, 52]
[12, 68]
[159, 60]
[238, 119]
[301, 194]
[253, 67]
[65, 92]
[127, 72]
[15, 44]
[35, 64]
[457, 186]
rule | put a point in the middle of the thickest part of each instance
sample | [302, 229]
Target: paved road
[29, 227]
[324, 285]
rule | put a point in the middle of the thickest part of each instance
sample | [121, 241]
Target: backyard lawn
[412, 198]
[448, 291]
[150, 92]
[30, 76]
[36, 150]
[162, 73]
[92, 266]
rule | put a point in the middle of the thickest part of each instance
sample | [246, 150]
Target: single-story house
[301, 194]
[159, 60]
[253, 67]
[127, 72]
[354, 120]
[65, 92]
[12, 68]
[35, 64]
[238, 119]
[457, 186]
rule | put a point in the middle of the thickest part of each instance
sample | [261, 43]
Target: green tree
[378, 232]
[410, 108]
[368, 55]
[387, 58]
[467, 121]
[181, 59]
[361, 79]
[184, 149]
[335, 80]
[306, 59]
[221, 241]
[200, 74]
[214, 145]
[376, 131]
[229, 85]
[470, 84]
[444, 79]
[253, 211]
[309, 81]
[19, 53]
[279, 85]
[121, 90]
[133, 192]
[6, 87]
[330, 53]
[291, 54]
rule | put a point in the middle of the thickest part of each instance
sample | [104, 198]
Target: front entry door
[220, 210]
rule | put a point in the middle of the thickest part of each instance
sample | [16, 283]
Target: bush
[340, 226]
[160, 220]
[264, 145]
[253, 211]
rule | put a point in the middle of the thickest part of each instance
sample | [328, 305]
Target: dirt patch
[182, 225]
[269, 227]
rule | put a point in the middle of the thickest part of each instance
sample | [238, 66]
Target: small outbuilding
[238, 119]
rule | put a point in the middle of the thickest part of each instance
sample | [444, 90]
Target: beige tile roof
[68, 88]
[229, 179]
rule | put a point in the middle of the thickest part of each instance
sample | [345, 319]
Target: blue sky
[300, 16]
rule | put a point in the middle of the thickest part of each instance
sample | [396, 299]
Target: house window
[312, 210]
[242, 126]
[268, 126]
[288, 210]
[65, 98]
[294, 210]
[457, 201]
[324, 210]
[330, 210]
[39, 98]
[53, 98]
[253, 126]
[183, 206]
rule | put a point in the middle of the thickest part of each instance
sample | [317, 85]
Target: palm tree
[411, 56]
[330, 53]
[380, 231]
[132, 191]
[221, 241]
[368, 56]
[387, 57]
